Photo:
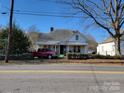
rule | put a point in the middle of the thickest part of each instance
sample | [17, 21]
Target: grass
[59, 61]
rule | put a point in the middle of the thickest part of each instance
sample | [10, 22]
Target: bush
[105, 57]
[20, 41]
[77, 56]
[91, 56]
[24, 56]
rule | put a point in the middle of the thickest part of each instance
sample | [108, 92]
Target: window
[77, 37]
[74, 48]
[77, 49]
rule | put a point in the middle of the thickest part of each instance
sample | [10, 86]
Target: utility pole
[10, 31]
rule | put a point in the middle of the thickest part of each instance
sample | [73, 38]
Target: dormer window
[77, 37]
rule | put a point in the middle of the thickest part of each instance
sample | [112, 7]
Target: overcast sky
[45, 14]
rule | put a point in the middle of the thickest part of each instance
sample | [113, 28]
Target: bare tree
[33, 33]
[108, 14]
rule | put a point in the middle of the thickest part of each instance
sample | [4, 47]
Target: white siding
[106, 49]
[86, 50]
[122, 47]
[109, 48]
[80, 39]
[83, 50]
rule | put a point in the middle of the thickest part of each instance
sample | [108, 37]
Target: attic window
[77, 37]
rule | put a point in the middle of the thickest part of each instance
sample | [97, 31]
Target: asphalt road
[61, 78]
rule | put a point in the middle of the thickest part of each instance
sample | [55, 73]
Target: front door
[62, 49]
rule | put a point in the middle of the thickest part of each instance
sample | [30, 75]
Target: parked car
[44, 53]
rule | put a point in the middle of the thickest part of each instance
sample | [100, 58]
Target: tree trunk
[117, 46]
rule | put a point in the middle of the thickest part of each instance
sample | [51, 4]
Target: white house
[107, 47]
[63, 41]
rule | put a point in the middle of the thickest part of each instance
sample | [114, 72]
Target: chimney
[51, 29]
[75, 31]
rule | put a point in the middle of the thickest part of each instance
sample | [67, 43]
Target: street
[61, 78]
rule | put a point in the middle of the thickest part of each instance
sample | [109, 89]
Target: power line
[46, 14]
[54, 12]
[51, 15]
[43, 13]
[52, 1]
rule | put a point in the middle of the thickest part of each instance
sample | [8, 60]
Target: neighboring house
[92, 44]
[63, 41]
[107, 47]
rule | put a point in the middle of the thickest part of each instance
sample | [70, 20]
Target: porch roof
[76, 43]
[60, 43]
[48, 43]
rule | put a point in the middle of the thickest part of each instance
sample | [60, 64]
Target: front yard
[66, 61]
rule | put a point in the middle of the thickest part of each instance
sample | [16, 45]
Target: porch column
[59, 48]
[86, 50]
[82, 49]
[55, 47]
[67, 51]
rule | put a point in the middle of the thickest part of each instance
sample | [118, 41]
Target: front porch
[63, 49]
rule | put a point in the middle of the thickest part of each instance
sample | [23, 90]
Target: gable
[77, 37]
[108, 40]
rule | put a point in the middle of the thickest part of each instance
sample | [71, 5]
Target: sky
[43, 14]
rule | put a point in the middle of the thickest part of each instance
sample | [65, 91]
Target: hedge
[91, 56]
[96, 56]
[77, 56]
[24, 56]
